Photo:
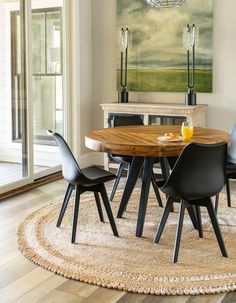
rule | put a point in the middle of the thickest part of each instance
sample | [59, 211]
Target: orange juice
[187, 132]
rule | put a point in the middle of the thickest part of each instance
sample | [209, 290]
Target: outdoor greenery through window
[47, 73]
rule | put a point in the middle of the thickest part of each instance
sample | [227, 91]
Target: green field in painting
[166, 80]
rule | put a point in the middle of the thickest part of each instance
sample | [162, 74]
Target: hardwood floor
[11, 172]
[21, 281]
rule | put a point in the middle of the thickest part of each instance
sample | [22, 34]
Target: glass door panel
[47, 79]
[14, 157]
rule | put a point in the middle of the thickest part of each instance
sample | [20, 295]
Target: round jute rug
[130, 263]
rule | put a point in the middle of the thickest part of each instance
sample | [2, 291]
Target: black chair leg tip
[175, 260]
[156, 240]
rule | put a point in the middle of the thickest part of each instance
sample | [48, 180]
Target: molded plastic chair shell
[71, 170]
[88, 179]
[198, 174]
[125, 161]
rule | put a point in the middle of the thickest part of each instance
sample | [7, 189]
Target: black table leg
[135, 168]
[147, 174]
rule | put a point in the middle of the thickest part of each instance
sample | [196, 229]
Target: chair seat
[97, 175]
[160, 183]
[168, 190]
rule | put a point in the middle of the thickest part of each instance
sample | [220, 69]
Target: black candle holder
[123, 94]
[190, 41]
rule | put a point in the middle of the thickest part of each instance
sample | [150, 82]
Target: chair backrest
[231, 154]
[199, 171]
[70, 168]
[127, 120]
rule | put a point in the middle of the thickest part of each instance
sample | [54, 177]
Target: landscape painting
[156, 56]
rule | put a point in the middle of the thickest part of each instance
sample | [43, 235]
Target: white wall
[222, 102]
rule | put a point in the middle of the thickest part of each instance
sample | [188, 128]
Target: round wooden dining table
[142, 143]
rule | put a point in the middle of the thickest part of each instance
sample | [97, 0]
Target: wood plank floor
[23, 282]
[11, 172]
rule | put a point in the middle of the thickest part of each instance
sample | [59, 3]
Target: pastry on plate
[171, 136]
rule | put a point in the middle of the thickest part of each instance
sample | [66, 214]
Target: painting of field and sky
[157, 59]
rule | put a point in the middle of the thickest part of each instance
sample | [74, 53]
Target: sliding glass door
[14, 153]
[47, 79]
[32, 89]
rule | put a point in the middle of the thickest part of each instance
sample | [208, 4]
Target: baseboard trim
[38, 182]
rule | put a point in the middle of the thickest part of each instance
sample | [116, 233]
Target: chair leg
[228, 192]
[117, 180]
[99, 208]
[199, 220]
[192, 216]
[128, 171]
[76, 212]
[217, 203]
[179, 231]
[69, 190]
[156, 190]
[165, 168]
[164, 218]
[216, 227]
[108, 210]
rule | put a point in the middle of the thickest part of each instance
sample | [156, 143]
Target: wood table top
[142, 140]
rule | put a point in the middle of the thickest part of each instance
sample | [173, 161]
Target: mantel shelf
[150, 108]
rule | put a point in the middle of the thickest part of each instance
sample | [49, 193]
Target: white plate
[164, 139]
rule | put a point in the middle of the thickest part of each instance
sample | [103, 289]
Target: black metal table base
[136, 166]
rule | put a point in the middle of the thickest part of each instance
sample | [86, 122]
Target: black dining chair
[198, 174]
[125, 161]
[90, 179]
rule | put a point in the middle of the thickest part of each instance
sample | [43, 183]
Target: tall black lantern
[190, 42]
[123, 95]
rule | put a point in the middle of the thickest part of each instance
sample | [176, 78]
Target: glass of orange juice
[187, 130]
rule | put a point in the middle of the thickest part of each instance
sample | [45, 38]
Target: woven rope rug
[130, 263]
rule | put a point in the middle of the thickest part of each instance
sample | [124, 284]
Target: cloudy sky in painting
[157, 33]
